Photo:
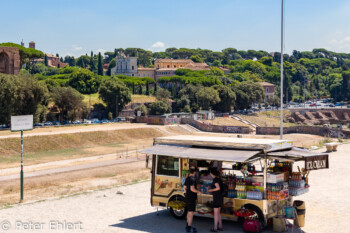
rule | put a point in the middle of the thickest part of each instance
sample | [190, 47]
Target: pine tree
[155, 88]
[46, 61]
[173, 91]
[92, 63]
[140, 89]
[147, 88]
[100, 65]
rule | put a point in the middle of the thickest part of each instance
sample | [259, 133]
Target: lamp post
[282, 31]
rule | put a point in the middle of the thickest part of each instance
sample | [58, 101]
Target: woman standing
[216, 190]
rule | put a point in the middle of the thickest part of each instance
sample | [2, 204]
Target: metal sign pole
[21, 165]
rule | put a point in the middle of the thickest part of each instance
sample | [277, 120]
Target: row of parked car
[76, 122]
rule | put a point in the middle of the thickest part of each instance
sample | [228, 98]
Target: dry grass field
[268, 119]
[225, 121]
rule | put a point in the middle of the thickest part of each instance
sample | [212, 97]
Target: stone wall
[155, 120]
[215, 128]
[321, 116]
[314, 130]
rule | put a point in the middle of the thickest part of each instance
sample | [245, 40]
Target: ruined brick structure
[9, 60]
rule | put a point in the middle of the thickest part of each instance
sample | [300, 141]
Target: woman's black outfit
[218, 198]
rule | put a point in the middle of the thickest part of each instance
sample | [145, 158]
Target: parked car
[76, 122]
[121, 119]
[308, 102]
[95, 121]
[331, 105]
[56, 123]
[38, 124]
[349, 106]
[48, 123]
[66, 123]
[86, 121]
[339, 104]
[104, 121]
[313, 105]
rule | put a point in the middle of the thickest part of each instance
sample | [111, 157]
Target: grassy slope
[268, 119]
[135, 99]
[56, 147]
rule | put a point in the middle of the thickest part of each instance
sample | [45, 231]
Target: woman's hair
[192, 170]
[214, 171]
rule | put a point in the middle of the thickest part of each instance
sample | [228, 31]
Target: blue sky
[76, 27]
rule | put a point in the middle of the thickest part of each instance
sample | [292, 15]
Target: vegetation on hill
[314, 74]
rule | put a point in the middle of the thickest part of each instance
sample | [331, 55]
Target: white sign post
[21, 123]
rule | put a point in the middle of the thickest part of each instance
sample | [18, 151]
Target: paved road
[69, 168]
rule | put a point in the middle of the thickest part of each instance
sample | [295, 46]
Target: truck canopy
[229, 149]
[226, 142]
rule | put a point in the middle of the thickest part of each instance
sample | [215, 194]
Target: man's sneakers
[191, 229]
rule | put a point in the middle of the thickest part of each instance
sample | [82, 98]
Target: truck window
[167, 166]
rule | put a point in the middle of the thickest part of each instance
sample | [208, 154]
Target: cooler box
[275, 178]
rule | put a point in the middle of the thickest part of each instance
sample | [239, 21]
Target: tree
[69, 102]
[100, 65]
[83, 61]
[111, 65]
[70, 60]
[197, 59]
[92, 62]
[142, 108]
[115, 94]
[207, 97]
[163, 94]
[84, 81]
[159, 108]
[46, 61]
[227, 98]
[147, 88]
[248, 93]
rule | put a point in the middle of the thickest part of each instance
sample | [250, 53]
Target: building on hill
[125, 65]
[52, 61]
[269, 89]
[168, 63]
[32, 45]
[146, 72]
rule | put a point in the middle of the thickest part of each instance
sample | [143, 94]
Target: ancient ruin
[9, 60]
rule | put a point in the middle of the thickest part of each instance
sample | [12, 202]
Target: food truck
[260, 175]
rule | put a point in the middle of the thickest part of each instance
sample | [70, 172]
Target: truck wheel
[258, 212]
[178, 214]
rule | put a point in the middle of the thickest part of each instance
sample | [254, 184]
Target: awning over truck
[313, 160]
[178, 151]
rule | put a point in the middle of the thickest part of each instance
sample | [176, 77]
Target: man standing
[191, 198]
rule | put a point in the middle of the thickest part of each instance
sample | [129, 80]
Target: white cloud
[77, 48]
[340, 44]
[102, 51]
[158, 46]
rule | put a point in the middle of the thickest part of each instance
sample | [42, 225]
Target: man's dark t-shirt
[190, 196]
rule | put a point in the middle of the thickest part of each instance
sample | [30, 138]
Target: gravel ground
[106, 211]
